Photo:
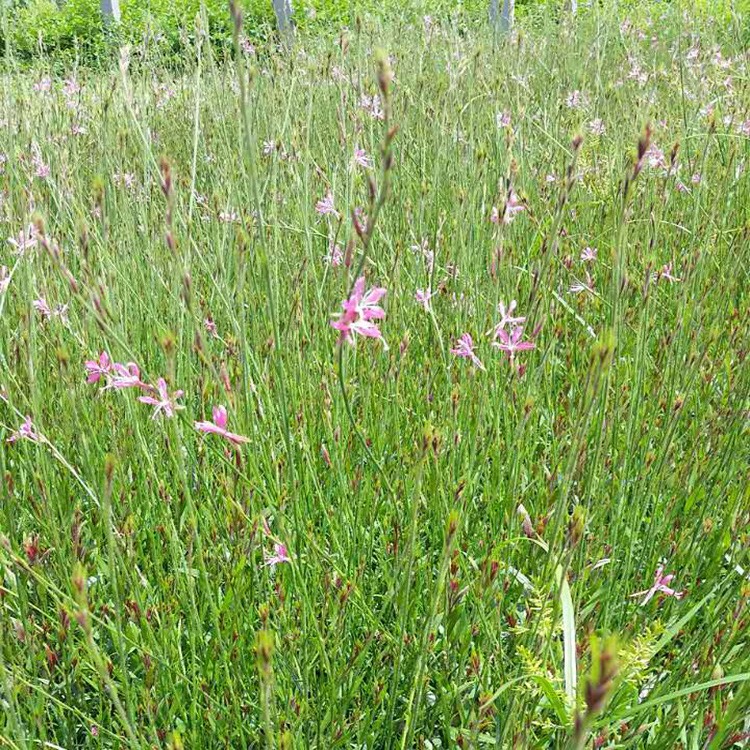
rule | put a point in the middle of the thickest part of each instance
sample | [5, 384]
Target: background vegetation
[411, 550]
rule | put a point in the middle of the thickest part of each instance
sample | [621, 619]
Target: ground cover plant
[379, 399]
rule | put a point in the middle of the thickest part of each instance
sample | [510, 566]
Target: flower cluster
[120, 376]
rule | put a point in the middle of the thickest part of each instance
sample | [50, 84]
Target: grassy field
[503, 502]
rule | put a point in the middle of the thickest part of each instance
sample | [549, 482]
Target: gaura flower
[465, 348]
[358, 313]
[219, 427]
[164, 403]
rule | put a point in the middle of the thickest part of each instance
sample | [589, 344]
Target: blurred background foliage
[73, 30]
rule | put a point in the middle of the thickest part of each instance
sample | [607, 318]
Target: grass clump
[513, 513]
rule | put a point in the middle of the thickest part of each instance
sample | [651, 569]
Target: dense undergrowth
[487, 523]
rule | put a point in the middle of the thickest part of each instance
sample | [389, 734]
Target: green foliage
[448, 540]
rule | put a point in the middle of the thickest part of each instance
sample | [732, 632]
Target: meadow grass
[414, 548]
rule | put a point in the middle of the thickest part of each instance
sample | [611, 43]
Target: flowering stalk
[365, 233]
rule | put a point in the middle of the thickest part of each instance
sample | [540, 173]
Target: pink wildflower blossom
[280, 555]
[373, 106]
[579, 286]
[655, 157]
[41, 170]
[661, 586]
[229, 217]
[60, 311]
[26, 240]
[597, 127]
[423, 296]
[247, 46]
[358, 313]
[513, 206]
[502, 120]
[97, 369]
[335, 255]
[506, 316]
[219, 427]
[126, 179]
[126, 376]
[210, 327]
[361, 158]
[44, 85]
[164, 403]
[588, 254]
[510, 343]
[465, 348]
[666, 273]
[41, 306]
[575, 100]
[25, 432]
[325, 206]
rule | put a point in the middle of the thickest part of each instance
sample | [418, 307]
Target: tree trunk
[494, 14]
[572, 7]
[283, 10]
[110, 11]
[506, 20]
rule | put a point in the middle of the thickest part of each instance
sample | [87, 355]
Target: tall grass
[410, 551]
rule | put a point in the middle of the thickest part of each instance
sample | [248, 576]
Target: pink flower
[280, 555]
[588, 254]
[219, 427]
[247, 46]
[41, 306]
[44, 85]
[210, 327]
[597, 126]
[335, 256]
[510, 343]
[655, 157]
[575, 99]
[423, 297]
[325, 206]
[164, 402]
[124, 178]
[373, 106]
[502, 119]
[25, 432]
[661, 586]
[229, 217]
[465, 348]
[70, 88]
[506, 317]
[666, 273]
[579, 286]
[60, 311]
[26, 240]
[423, 249]
[358, 313]
[126, 376]
[41, 170]
[361, 159]
[98, 369]
[513, 206]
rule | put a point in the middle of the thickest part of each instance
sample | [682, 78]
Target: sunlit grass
[410, 550]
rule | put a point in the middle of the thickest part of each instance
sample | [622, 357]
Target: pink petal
[220, 416]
